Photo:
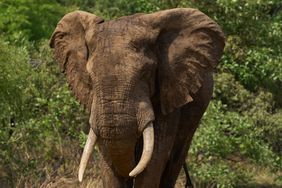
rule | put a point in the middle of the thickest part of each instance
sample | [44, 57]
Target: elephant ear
[190, 45]
[69, 41]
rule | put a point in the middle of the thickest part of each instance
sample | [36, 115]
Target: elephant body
[174, 134]
[146, 80]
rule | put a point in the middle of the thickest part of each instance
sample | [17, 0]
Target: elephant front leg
[178, 155]
[191, 115]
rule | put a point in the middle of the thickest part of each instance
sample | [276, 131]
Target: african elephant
[146, 80]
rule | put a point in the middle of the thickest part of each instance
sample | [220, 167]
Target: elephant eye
[61, 35]
[146, 72]
[134, 47]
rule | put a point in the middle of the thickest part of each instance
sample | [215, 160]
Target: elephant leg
[165, 132]
[178, 155]
[110, 178]
[191, 115]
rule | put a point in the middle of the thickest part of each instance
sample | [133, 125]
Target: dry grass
[64, 175]
[89, 182]
[91, 179]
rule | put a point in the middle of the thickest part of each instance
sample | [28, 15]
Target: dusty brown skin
[135, 70]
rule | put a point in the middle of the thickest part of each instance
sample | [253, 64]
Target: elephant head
[117, 69]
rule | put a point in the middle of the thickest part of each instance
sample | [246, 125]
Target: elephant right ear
[71, 52]
[189, 46]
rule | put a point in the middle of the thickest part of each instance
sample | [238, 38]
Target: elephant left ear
[190, 45]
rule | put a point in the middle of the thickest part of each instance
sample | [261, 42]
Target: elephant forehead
[119, 61]
[122, 30]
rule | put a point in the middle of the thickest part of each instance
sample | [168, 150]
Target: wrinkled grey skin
[135, 70]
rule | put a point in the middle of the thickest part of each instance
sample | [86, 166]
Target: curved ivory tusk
[88, 148]
[148, 147]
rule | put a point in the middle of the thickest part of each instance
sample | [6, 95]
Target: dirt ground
[91, 180]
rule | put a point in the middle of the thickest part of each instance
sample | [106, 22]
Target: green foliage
[239, 127]
[12, 79]
[29, 19]
[253, 52]
[39, 112]
[224, 140]
[113, 9]
[259, 107]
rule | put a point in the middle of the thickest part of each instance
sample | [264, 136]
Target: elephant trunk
[122, 155]
[118, 125]
[119, 154]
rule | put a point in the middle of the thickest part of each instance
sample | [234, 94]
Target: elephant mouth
[148, 147]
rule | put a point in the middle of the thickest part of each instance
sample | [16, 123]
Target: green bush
[29, 19]
[259, 107]
[224, 140]
[40, 113]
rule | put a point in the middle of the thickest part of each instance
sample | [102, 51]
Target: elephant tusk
[148, 140]
[88, 149]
